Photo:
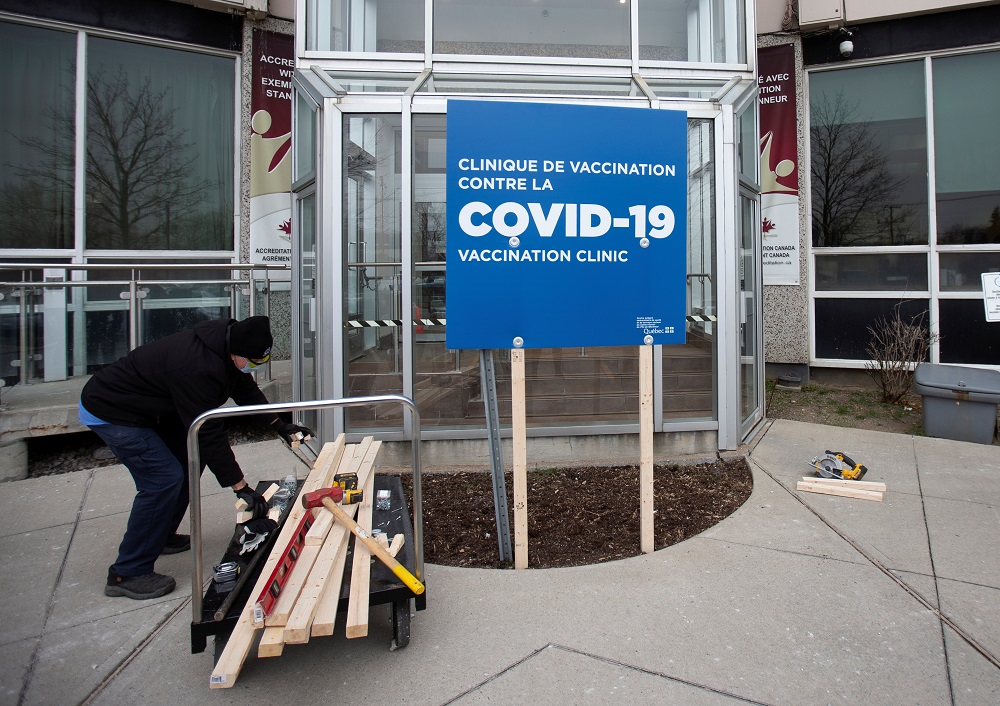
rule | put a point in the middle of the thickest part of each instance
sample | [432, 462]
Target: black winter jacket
[173, 380]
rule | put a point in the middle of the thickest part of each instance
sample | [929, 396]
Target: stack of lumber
[306, 604]
[858, 489]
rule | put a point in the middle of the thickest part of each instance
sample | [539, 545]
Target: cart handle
[194, 473]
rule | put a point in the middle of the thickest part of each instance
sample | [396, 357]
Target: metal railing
[194, 475]
[68, 323]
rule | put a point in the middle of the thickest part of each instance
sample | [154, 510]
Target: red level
[276, 581]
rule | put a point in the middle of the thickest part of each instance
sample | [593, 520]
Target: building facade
[139, 137]
[373, 83]
[898, 180]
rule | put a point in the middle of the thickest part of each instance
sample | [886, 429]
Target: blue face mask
[246, 368]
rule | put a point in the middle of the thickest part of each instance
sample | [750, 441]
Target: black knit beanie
[251, 338]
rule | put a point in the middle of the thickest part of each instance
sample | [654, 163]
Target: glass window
[747, 151]
[869, 156]
[900, 272]
[842, 324]
[706, 31]
[160, 146]
[966, 336]
[395, 26]
[597, 29]
[967, 153]
[963, 272]
[305, 138]
[510, 83]
[37, 130]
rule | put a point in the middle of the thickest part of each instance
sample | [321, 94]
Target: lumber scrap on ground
[843, 482]
[828, 489]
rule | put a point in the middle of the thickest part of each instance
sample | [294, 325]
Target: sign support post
[646, 447]
[520, 443]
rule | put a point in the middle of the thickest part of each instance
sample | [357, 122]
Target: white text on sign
[585, 220]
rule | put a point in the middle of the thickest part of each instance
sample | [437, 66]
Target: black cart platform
[222, 605]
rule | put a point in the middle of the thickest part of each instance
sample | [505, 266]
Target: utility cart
[235, 581]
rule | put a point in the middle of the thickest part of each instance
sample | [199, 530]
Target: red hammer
[328, 497]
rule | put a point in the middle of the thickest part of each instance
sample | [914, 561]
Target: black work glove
[254, 500]
[262, 525]
[288, 432]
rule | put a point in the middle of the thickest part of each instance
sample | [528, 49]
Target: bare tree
[853, 189]
[142, 186]
[896, 348]
[140, 176]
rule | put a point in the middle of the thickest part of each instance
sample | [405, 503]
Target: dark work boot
[177, 543]
[141, 588]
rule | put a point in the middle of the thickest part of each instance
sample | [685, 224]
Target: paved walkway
[795, 599]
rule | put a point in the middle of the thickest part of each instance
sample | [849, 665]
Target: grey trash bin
[959, 403]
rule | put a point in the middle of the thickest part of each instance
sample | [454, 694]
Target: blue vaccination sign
[567, 225]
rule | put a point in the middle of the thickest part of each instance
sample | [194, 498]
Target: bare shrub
[895, 348]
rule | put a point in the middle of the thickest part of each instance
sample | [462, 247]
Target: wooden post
[520, 443]
[646, 448]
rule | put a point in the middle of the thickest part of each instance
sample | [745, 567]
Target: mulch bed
[576, 516]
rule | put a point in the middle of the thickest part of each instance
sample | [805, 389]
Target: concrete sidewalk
[795, 599]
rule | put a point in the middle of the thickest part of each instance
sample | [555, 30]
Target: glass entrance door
[751, 335]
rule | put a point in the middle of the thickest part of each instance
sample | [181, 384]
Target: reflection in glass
[308, 380]
[966, 336]
[597, 29]
[963, 272]
[365, 25]
[869, 156]
[510, 83]
[160, 143]
[689, 382]
[679, 30]
[749, 354]
[967, 153]
[747, 150]
[842, 324]
[305, 132]
[373, 235]
[902, 272]
[36, 137]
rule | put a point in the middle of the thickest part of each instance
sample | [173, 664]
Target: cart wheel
[400, 624]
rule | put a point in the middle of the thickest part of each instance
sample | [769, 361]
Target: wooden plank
[646, 449]
[324, 573]
[825, 489]
[856, 484]
[324, 520]
[307, 556]
[271, 490]
[271, 643]
[519, 437]
[238, 646]
[326, 607]
[361, 570]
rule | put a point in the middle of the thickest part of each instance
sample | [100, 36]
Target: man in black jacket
[142, 406]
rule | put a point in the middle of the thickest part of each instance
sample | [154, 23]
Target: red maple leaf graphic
[768, 226]
[286, 227]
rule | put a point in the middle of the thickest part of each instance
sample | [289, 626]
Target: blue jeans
[157, 460]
